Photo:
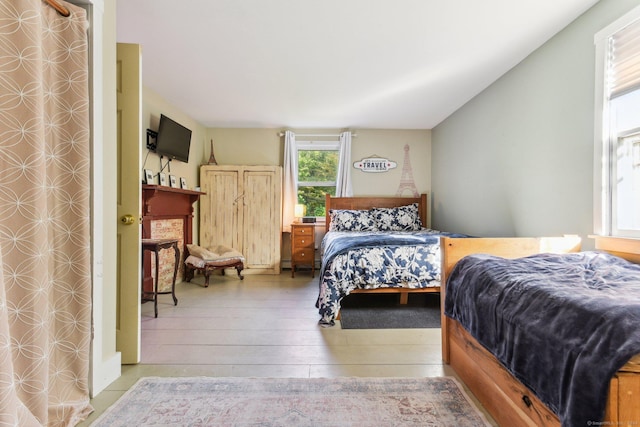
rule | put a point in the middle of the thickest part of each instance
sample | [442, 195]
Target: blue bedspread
[561, 324]
[375, 259]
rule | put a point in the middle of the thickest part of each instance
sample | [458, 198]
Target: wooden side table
[303, 246]
[156, 245]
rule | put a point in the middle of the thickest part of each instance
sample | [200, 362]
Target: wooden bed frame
[365, 203]
[507, 400]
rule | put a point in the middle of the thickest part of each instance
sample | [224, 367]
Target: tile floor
[266, 326]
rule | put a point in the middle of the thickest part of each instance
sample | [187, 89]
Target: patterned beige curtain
[45, 274]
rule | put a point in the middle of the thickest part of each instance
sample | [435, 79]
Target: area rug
[288, 402]
[384, 311]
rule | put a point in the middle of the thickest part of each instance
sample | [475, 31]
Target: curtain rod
[318, 135]
[59, 7]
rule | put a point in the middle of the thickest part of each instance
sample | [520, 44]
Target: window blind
[624, 61]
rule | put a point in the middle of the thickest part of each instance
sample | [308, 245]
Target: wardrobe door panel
[219, 219]
[261, 219]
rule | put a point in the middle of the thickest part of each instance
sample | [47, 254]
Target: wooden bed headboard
[365, 203]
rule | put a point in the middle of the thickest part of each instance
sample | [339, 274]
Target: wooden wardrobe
[242, 209]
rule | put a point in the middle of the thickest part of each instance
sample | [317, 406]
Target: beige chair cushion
[216, 256]
[200, 252]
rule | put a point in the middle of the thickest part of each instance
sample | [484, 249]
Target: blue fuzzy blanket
[561, 324]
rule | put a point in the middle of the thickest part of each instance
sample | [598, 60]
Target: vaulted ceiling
[379, 64]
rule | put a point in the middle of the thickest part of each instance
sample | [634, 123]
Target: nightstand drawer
[303, 254]
[303, 242]
[302, 230]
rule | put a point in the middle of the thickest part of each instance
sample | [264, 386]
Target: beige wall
[265, 147]
[245, 146]
[390, 144]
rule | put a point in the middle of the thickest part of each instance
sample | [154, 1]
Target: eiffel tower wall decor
[212, 158]
[406, 179]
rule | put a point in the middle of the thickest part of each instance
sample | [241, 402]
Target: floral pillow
[351, 220]
[402, 218]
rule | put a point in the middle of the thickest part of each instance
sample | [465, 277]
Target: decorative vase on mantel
[212, 158]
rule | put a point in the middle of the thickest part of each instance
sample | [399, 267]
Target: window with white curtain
[317, 174]
[617, 168]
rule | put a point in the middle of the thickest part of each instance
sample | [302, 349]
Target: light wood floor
[266, 326]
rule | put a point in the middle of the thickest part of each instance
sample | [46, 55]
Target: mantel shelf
[154, 188]
[160, 200]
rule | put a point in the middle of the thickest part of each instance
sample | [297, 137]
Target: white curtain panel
[290, 190]
[45, 270]
[343, 182]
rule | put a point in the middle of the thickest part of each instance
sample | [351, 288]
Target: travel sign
[375, 164]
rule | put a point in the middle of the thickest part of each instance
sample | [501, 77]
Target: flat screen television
[173, 140]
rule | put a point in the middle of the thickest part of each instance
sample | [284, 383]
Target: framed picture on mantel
[148, 176]
[163, 178]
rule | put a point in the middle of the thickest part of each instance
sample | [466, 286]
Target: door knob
[128, 219]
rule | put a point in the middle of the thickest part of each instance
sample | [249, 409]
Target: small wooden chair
[206, 261]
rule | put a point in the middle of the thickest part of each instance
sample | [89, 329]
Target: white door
[128, 182]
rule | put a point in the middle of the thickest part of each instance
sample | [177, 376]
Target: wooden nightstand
[303, 246]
